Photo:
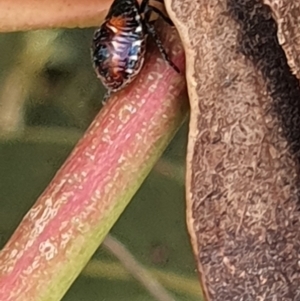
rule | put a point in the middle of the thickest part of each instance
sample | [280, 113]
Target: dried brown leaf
[242, 164]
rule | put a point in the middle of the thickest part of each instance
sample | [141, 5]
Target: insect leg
[106, 97]
[151, 30]
[161, 14]
[160, 1]
[143, 6]
[146, 8]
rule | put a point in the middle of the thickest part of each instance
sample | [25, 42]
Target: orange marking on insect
[118, 22]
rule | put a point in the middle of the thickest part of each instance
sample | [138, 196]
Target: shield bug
[119, 45]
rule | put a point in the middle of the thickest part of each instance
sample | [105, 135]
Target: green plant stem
[180, 284]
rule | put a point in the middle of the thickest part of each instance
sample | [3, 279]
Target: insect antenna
[152, 31]
[147, 10]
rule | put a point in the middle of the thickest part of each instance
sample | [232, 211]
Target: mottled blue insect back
[119, 45]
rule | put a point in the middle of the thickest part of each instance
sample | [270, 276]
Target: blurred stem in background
[136, 269]
[30, 61]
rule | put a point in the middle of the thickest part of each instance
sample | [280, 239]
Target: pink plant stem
[71, 218]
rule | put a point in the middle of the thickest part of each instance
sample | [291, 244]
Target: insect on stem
[119, 45]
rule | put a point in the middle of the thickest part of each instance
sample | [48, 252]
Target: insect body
[119, 44]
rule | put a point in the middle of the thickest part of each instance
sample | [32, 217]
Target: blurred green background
[49, 94]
